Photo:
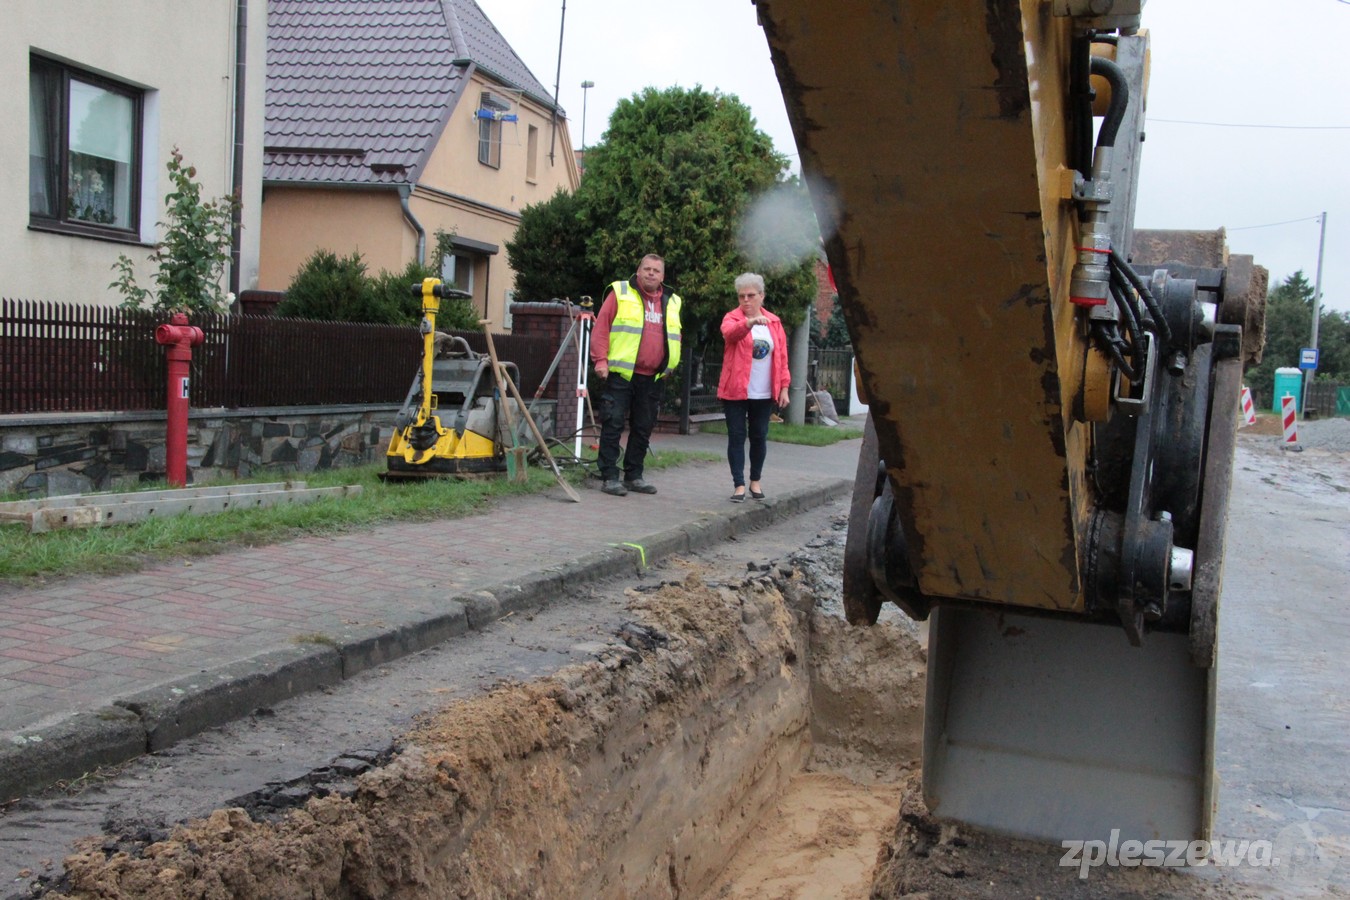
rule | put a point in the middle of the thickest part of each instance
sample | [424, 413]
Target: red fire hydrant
[178, 338]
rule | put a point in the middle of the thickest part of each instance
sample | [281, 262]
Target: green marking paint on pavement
[642, 554]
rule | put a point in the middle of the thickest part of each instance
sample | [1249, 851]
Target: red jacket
[736, 356]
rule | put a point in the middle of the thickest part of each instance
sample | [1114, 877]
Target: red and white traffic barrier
[1289, 412]
[1248, 407]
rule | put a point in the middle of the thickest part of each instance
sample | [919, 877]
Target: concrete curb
[65, 751]
[185, 707]
[156, 718]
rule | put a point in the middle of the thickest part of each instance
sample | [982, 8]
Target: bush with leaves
[339, 289]
[191, 259]
[394, 291]
[329, 288]
[832, 335]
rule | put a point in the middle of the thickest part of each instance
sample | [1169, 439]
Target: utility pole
[1316, 308]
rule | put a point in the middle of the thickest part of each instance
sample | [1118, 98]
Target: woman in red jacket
[754, 378]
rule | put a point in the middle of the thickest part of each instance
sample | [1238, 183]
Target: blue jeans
[631, 404]
[747, 417]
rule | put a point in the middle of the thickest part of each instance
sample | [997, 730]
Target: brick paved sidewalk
[92, 669]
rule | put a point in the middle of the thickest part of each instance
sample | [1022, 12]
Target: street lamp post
[1310, 373]
[585, 88]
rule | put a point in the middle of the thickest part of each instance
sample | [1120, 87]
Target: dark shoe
[737, 498]
[614, 486]
[638, 486]
[758, 495]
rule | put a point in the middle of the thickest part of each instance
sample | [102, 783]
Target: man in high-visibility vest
[635, 343]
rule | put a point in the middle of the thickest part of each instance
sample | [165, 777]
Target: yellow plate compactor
[449, 424]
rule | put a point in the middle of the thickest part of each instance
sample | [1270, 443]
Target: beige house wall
[298, 221]
[456, 194]
[182, 55]
[460, 195]
[493, 277]
[454, 165]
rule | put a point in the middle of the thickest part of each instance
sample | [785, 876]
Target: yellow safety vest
[626, 333]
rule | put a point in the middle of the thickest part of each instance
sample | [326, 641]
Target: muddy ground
[712, 730]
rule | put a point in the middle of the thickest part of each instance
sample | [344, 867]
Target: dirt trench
[734, 739]
[639, 774]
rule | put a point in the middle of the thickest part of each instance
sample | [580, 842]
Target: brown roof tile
[359, 90]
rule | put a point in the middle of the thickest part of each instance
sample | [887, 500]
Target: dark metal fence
[57, 357]
[832, 371]
[1322, 399]
[827, 370]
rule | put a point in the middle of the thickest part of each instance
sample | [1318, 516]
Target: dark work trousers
[744, 416]
[630, 404]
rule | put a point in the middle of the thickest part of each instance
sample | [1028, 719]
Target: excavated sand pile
[635, 775]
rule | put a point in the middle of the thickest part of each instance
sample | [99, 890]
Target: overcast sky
[1276, 156]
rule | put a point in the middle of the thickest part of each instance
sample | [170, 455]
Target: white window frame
[491, 108]
[454, 264]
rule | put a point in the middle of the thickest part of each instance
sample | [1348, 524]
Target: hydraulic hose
[1120, 289]
[1080, 135]
[1133, 320]
[1160, 321]
[1120, 98]
[1111, 343]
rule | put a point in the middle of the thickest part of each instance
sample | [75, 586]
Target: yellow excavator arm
[1049, 448]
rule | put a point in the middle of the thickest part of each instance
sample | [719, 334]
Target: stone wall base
[74, 453]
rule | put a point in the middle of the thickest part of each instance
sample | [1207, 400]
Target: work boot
[638, 486]
[614, 486]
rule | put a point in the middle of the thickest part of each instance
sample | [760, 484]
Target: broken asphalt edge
[77, 745]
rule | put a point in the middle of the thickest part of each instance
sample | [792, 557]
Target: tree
[833, 335]
[548, 252]
[675, 174]
[191, 258]
[1289, 329]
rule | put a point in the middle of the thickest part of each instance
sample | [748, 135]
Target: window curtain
[44, 140]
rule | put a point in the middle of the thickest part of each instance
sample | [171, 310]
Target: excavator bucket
[1057, 730]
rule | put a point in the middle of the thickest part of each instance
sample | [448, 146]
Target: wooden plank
[128, 511]
[23, 507]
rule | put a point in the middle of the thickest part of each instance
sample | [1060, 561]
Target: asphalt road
[1283, 736]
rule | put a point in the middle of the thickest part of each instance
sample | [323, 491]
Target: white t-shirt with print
[761, 363]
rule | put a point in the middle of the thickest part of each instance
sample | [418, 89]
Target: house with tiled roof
[97, 97]
[390, 122]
